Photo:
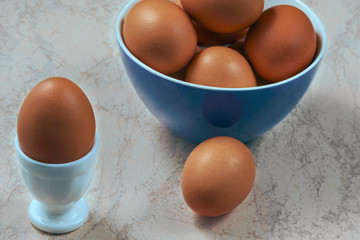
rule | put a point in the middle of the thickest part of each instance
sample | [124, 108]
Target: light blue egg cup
[57, 189]
[197, 113]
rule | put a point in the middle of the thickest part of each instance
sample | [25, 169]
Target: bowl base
[63, 222]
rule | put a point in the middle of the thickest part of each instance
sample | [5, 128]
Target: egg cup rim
[79, 161]
[321, 32]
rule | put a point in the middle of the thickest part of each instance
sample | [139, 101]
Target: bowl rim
[309, 11]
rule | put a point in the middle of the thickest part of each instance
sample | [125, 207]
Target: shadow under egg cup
[58, 206]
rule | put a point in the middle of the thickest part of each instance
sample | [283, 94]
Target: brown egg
[180, 75]
[56, 122]
[209, 38]
[217, 176]
[281, 43]
[160, 34]
[225, 16]
[220, 67]
[239, 46]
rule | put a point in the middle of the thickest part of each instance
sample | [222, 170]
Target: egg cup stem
[58, 218]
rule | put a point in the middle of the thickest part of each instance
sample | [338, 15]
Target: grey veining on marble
[308, 167]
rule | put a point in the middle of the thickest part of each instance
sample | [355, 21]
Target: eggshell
[206, 37]
[56, 123]
[217, 176]
[239, 46]
[209, 38]
[180, 75]
[225, 16]
[160, 34]
[220, 67]
[281, 43]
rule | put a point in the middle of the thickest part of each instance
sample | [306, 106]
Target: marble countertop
[308, 167]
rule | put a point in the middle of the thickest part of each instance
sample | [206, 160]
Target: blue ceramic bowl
[197, 113]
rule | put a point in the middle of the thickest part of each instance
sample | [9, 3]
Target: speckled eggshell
[281, 43]
[217, 176]
[208, 38]
[56, 123]
[160, 34]
[180, 75]
[220, 66]
[224, 16]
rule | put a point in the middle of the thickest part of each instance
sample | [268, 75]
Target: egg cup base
[67, 218]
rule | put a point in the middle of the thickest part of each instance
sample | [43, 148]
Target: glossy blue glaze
[197, 113]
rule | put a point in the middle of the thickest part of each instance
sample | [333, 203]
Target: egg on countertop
[220, 67]
[56, 122]
[281, 43]
[225, 16]
[217, 176]
[160, 34]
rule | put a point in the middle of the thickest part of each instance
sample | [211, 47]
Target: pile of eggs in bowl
[229, 43]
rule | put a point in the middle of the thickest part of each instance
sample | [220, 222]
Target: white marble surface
[308, 167]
